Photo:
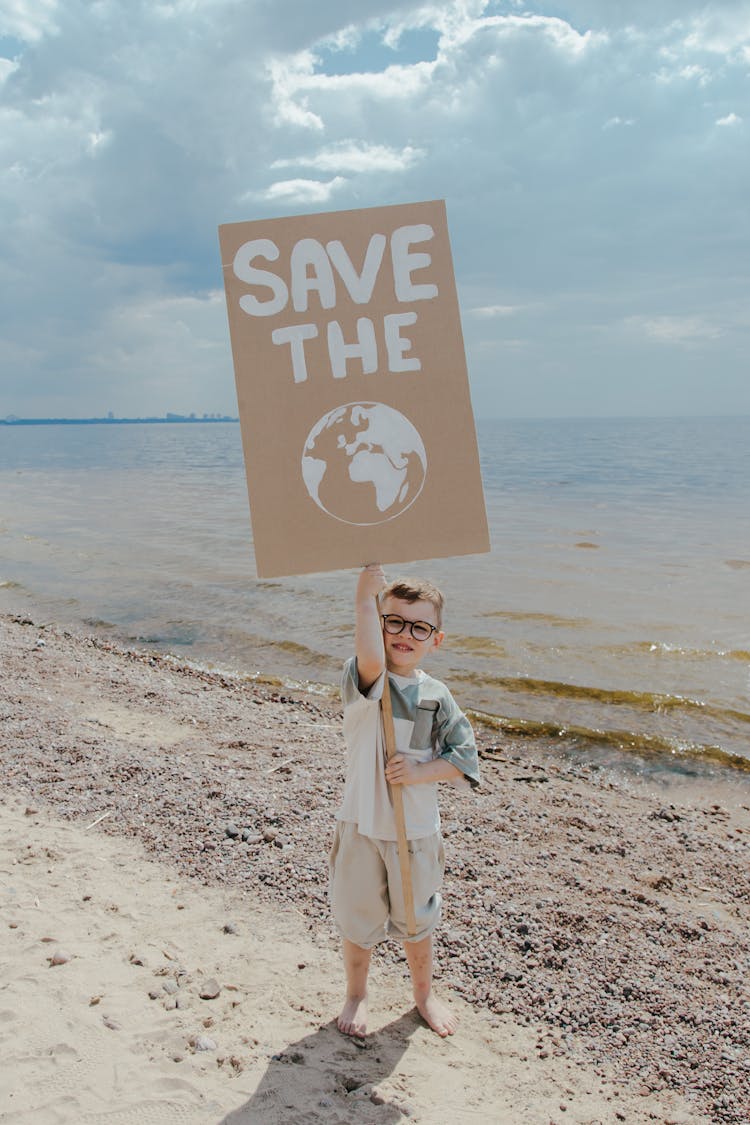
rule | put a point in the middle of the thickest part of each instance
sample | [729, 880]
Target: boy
[434, 742]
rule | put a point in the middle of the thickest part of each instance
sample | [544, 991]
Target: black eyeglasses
[420, 630]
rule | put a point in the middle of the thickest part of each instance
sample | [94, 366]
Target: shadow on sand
[328, 1077]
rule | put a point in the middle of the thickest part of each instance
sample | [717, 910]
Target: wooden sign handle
[397, 795]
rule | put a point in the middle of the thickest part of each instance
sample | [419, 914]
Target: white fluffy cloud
[593, 158]
[29, 20]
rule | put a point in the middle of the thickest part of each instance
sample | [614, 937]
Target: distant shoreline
[169, 419]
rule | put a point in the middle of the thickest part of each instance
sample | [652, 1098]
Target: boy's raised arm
[368, 634]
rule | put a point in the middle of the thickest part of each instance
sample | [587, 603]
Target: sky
[593, 156]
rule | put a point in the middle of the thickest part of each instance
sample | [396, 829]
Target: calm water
[614, 606]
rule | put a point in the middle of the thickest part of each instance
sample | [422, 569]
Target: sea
[612, 614]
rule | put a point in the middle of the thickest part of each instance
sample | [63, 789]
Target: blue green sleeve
[455, 739]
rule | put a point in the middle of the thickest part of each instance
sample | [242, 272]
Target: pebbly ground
[610, 915]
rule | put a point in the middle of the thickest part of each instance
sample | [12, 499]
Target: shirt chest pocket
[421, 738]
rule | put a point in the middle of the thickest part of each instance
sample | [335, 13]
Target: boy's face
[403, 651]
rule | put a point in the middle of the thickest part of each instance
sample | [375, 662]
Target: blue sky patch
[371, 55]
[10, 48]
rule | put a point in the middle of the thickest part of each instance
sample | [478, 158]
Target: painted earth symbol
[364, 463]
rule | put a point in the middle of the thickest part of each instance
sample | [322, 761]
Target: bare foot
[438, 1015]
[353, 1018]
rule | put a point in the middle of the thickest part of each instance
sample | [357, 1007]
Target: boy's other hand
[371, 581]
[401, 770]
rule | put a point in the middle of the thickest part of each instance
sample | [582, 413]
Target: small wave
[479, 646]
[165, 640]
[302, 652]
[644, 744]
[662, 648]
[644, 701]
[9, 584]
[313, 687]
[225, 673]
[542, 618]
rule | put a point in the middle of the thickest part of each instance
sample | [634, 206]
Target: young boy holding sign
[397, 626]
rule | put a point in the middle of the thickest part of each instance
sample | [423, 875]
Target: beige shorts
[365, 887]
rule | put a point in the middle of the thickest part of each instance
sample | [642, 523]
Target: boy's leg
[359, 897]
[437, 1014]
[353, 1018]
[427, 866]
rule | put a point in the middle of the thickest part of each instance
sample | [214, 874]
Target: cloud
[7, 66]
[28, 20]
[683, 330]
[353, 156]
[587, 152]
[614, 122]
[721, 29]
[490, 312]
[645, 16]
[304, 191]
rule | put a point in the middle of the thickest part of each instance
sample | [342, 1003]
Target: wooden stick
[397, 795]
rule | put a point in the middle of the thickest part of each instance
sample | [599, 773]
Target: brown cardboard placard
[353, 395]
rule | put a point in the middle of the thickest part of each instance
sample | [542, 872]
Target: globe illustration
[364, 463]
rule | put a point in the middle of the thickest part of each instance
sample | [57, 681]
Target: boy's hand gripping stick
[397, 795]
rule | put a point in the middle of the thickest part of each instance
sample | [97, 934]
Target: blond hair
[415, 590]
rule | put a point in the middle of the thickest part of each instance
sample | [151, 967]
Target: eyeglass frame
[411, 624]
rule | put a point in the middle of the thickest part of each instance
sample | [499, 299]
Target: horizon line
[12, 420]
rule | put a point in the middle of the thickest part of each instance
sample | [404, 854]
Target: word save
[314, 268]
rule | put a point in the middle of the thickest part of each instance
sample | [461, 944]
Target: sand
[128, 775]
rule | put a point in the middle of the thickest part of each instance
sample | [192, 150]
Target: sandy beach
[168, 956]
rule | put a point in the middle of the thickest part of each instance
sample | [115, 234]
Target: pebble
[60, 957]
[407, 1109]
[203, 1043]
[210, 989]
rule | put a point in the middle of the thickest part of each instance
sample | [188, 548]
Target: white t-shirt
[427, 723]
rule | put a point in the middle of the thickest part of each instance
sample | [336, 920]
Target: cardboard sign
[353, 396]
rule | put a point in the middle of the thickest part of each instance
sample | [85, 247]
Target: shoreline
[607, 918]
[641, 757]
